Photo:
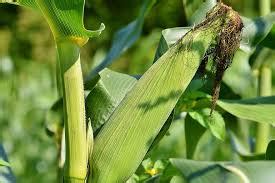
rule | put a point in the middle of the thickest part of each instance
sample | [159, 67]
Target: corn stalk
[264, 89]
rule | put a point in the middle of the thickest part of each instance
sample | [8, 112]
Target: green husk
[125, 139]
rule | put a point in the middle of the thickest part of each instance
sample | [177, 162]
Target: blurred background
[27, 70]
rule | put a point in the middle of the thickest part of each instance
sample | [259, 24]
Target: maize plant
[111, 127]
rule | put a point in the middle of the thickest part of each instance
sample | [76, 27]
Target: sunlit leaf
[214, 123]
[64, 17]
[27, 3]
[257, 109]
[216, 172]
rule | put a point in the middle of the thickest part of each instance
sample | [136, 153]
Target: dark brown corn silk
[227, 43]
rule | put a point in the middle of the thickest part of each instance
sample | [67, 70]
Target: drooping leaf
[126, 137]
[214, 123]
[216, 172]
[124, 38]
[193, 133]
[106, 96]
[257, 109]
[65, 18]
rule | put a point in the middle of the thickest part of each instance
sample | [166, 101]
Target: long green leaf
[129, 132]
[258, 109]
[27, 3]
[216, 172]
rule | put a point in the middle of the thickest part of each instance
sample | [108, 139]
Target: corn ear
[125, 139]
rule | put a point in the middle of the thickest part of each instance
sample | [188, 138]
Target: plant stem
[263, 130]
[75, 169]
[265, 7]
[264, 89]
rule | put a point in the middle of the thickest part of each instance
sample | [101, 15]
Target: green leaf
[214, 122]
[6, 175]
[124, 38]
[106, 96]
[65, 18]
[193, 133]
[163, 130]
[243, 151]
[168, 38]
[195, 10]
[258, 109]
[270, 151]
[132, 127]
[270, 38]
[169, 173]
[4, 163]
[172, 144]
[216, 172]
[27, 3]
[255, 31]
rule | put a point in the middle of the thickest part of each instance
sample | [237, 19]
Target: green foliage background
[28, 83]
